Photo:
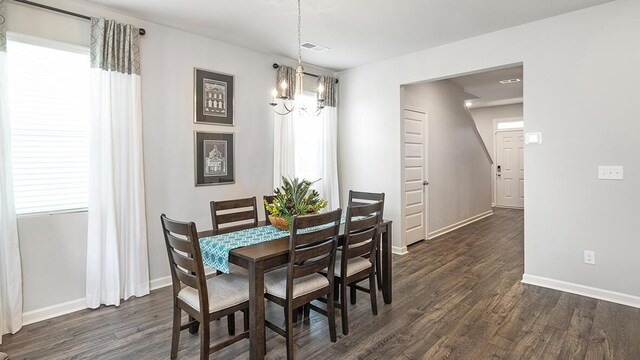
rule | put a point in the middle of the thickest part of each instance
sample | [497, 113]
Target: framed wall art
[214, 158]
[212, 98]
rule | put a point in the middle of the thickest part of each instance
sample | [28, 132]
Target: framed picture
[214, 158]
[212, 98]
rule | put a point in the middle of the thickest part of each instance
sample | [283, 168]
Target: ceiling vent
[509, 81]
[314, 47]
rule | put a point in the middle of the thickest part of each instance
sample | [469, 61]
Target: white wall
[459, 171]
[483, 118]
[581, 73]
[53, 246]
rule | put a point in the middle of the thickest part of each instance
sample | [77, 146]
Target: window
[48, 86]
[309, 144]
[510, 125]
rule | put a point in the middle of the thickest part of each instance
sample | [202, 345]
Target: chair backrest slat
[179, 244]
[187, 279]
[363, 223]
[356, 238]
[360, 233]
[307, 269]
[237, 216]
[185, 260]
[312, 250]
[360, 251]
[222, 212]
[311, 237]
[359, 198]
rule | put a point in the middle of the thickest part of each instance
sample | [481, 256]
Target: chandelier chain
[299, 41]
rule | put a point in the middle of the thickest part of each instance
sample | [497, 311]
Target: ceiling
[485, 89]
[356, 31]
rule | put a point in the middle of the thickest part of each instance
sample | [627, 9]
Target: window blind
[49, 114]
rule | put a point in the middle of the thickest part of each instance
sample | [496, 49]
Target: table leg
[256, 310]
[387, 291]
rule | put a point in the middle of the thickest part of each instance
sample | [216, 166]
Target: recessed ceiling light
[314, 47]
[510, 81]
[468, 103]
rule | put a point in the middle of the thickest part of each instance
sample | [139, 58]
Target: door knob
[425, 183]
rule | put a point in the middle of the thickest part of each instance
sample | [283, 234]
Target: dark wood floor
[456, 297]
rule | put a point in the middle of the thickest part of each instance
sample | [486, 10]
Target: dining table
[265, 256]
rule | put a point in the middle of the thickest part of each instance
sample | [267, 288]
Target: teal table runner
[215, 249]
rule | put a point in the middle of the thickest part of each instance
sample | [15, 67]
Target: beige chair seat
[354, 265]
[275, 283]
[225, 291]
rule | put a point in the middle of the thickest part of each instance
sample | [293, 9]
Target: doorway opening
[462, 150]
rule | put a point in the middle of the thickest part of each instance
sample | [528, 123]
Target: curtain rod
[275, 66]
[62, 11]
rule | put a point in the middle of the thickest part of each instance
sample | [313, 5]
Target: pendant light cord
[299, 41]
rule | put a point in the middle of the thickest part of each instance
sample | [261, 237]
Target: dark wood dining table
[262, 257]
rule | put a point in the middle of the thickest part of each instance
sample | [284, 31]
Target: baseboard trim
[450, 228]
[52, 311]
[588, 291]
[399, 250]
[68, 307]
[159, 283]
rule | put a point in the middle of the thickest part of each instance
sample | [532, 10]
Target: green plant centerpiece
[295, 197]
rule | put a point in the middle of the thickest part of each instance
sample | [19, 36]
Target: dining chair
[241, 213]
[269, 200]
[357, 259]
[204, 300]
[357, 198]
[312, 247]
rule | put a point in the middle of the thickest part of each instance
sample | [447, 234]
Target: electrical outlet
[610, 172]
[590, 257]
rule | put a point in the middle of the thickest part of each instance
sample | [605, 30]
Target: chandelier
[281, 103]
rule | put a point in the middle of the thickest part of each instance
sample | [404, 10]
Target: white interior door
[414, 135]
[510, 169]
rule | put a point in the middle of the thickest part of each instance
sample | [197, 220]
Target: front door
[510, 169]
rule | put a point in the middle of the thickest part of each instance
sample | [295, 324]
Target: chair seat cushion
[225, 291]
[354, 265]
[275, 283]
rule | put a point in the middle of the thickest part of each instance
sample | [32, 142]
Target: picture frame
[214, 158]
[213, 94]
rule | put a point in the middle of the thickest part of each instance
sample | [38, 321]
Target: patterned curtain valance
[330, 90]
[114, 46]
[287, 74]
[3, 25]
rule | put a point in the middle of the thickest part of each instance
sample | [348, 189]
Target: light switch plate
[533, 138]
[610, 172]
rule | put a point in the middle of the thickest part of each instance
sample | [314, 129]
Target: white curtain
[330, 190]
[10, 267]
[284, 160]
[117, 260]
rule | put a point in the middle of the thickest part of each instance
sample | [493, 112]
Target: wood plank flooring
[455, 297]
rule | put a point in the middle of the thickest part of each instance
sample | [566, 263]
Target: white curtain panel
[117, 259]
[284, 160]
[329, 157]
[10, 267]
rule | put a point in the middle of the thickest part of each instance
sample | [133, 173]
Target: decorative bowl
[279, 222]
